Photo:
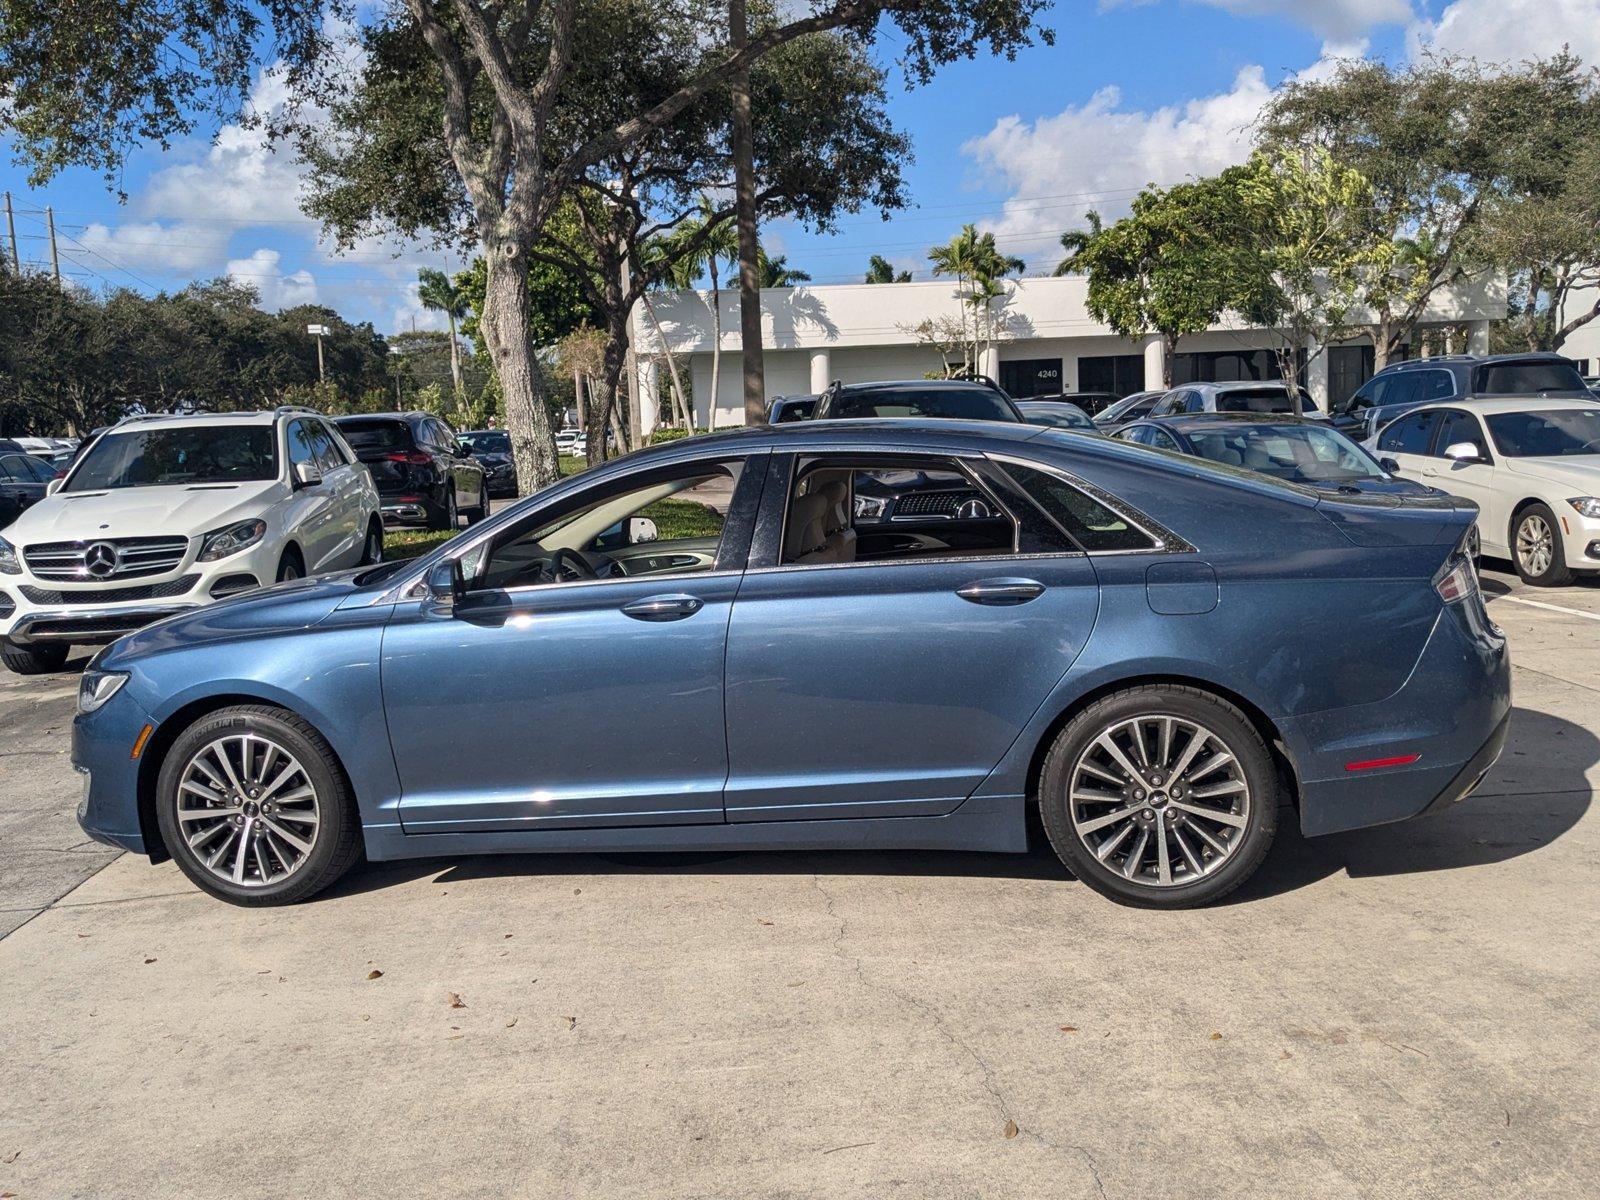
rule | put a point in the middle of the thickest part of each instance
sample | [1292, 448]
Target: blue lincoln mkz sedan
[822, 635]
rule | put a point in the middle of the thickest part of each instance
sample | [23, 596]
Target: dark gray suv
[1404, 385]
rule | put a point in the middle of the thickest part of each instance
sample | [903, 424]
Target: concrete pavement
[1406, 1011]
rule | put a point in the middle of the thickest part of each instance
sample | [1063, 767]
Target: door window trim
[1163, 540]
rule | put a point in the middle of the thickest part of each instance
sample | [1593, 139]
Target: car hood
[139, 512]
[1580, 472]
[281, 608]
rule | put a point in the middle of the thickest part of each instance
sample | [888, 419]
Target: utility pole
[11, 232]
[55, 259]
[744, 190]
[319, 332]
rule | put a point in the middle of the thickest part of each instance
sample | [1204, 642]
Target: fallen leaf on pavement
[374, 974]
[1069, 1029]
[12, 1157]
[455, 1000]
[763, 921]
[1216, 1037]
[511, 1022]
[1011, 1129]
[148, 961]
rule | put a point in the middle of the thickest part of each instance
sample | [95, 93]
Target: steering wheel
[567, 566]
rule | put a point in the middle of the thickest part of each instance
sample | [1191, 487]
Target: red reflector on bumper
[1372, 764]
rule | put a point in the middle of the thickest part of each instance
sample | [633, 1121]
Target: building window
[1228, 366]
[1024, 377]
[1122, 374]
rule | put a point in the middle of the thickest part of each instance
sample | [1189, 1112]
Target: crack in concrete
[986, 1073]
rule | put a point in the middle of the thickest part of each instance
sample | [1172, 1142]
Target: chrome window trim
[943, 560]
[1165, 541]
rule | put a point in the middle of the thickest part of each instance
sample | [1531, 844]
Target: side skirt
[995, 824]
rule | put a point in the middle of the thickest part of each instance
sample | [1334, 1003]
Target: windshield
[1059, 416]
[376, 435]
[1528, 378]
[164, 457]
[488, 441]
[967, 403]
[1299, 453]
[1547, 433]
[1129, 407]
[1262, 400]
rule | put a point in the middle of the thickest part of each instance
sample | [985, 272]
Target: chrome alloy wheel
[1161, 800]
[248, 810]
[1535, 544]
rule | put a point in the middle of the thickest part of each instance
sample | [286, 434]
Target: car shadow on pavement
[1536, 792]
[1548, 797]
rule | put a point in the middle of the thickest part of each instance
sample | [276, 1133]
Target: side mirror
[54, 486]
[445, 587]
[307, 475]
[1464, 452]
[642, 530]
[1389, 465]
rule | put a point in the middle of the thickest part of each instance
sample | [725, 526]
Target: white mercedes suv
[165, 513]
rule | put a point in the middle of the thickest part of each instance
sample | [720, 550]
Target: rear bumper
[1452, 714]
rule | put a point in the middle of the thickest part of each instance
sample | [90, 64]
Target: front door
[1471, 479]
[579, 680]
[879, 667]
[1407, 442]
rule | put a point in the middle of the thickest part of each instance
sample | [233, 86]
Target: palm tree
[438, 291]
[1076, 241]
[719, 245]
[881, 270]
[976, 262]
[777, 273]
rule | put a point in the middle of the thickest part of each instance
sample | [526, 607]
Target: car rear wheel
[254, 807]
[482, 509]
[1161, 796]
[444, 515]
[372, 549]
[1536, 548]
[33, 660]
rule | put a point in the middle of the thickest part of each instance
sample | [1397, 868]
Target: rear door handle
[1001, 591]
[663, 608]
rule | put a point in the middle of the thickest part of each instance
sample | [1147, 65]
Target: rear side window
[376, 435]
[1083, 518]
[1409, 435]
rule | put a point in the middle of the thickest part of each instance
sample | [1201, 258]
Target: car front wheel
[1160, 796]
[33, 660]
[1536, 548]
[254, 807]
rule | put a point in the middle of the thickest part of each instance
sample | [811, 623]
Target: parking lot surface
[1404, 1011]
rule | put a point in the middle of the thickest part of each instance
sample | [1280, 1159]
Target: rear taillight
[415, 457]
[1458, 578]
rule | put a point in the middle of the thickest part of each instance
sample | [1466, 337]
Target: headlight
[9, 563]
[1588, 506]
[97, 687]
[871, 506]
[222, 542]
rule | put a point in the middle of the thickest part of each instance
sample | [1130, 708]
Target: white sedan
[1531, 464]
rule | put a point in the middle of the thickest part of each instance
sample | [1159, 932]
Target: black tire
[338, 843]
[442, 514]
[1552, 570]
[1255, 768]
[291, 566]
[372, 548]
[482, 510]
[34, 660]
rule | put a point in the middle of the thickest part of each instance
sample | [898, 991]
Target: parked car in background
[944, 399]
[1090, 402]
[1059, 414]
[1129, 408]
[167, 513]
[1531, 465]
[791, 408]
[420, 469]
[1402, 386]
[566, 439]
[23, 481]
[1295, 449]
[492, 449]
[1126, 640]
[1241, 396]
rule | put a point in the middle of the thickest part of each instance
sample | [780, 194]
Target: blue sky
[1133, 91]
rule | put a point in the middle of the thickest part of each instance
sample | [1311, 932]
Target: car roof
[1470, 360]
[413, 415]
[1051, 402]
[186, 420]
[1234, 385]
[920, 385]
[1213, 420]
[1488, 407]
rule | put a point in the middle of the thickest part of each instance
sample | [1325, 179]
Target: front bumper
[102, 753]
[1580, 539]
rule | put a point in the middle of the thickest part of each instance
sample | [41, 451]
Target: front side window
[1088, 522]
[666, 524]
[1409, 435]
[157, 457]
[1547, 433]
[302, 439]
[1457, 426]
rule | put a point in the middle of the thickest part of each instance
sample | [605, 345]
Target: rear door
[871, 677]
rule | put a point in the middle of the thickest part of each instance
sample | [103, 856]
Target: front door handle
[663, 608]
[1001, 591]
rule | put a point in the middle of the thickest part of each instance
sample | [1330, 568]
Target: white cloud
[179, 247]
[1508, 31]
[412, 315]
[1327, 18]
[263, 270]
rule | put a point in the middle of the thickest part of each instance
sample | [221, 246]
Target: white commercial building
[862, 333]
